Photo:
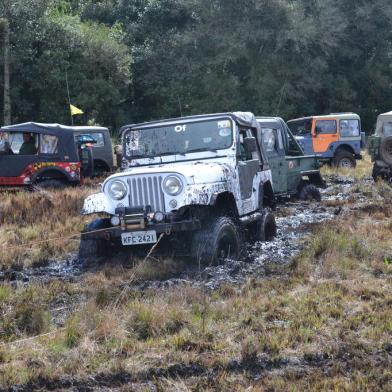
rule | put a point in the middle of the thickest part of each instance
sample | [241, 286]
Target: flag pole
[69, 98]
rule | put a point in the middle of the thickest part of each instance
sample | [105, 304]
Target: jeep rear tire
[49, 184]
[264, 229]
[386, 150]
[92, 248]
[309, 192]
[216, 241]
[344, 160]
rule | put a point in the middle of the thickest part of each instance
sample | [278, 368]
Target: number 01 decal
[180, 128]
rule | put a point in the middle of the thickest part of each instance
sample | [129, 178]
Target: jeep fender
[55, 169]
[97, 203]
[353, 147]
[225, 202]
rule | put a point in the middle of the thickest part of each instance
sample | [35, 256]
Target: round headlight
[117, 190]
[172, 185]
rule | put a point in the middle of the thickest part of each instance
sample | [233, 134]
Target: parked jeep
[199, 180]
[380, 148]
[294, 174]
[44, 155]
[336, 139]
[102, 148]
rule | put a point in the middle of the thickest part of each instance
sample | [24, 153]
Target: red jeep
[43, 155]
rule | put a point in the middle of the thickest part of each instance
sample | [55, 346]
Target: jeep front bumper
[142, 220]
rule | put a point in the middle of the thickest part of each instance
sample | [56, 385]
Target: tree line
[128, 61]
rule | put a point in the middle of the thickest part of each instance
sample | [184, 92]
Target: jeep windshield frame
[302, 127]
[178, 138]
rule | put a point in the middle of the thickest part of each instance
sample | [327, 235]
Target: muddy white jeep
[202, 182]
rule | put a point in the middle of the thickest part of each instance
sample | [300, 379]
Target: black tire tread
[309, 192]
[257, 230]
[49, 184]
[203, 248]
[91, 248]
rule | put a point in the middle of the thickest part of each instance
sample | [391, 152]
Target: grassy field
[321, 322]
[38, 227]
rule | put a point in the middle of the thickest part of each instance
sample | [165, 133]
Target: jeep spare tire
[386, 150]
[217, 240]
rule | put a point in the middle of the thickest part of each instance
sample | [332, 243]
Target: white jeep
[201, 182]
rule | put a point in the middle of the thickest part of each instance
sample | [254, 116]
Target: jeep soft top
[54, 159]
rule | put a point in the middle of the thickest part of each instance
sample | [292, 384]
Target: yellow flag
[75, 110]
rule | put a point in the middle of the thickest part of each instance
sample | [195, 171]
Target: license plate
[139, 237]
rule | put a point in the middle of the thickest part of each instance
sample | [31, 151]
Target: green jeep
[294, 174]
[380, 148]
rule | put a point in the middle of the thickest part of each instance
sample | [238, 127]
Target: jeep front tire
[92, 248]
[216, 241]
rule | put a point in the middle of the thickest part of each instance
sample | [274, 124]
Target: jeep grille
[146, 190]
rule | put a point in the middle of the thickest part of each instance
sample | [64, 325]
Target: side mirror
[250, 144]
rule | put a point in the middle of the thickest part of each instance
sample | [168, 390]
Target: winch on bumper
[138, 225]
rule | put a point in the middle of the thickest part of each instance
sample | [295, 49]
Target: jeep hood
[194, 172]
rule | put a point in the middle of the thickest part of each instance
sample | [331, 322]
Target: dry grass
[363, 169]
[323, 325]
[36, 227]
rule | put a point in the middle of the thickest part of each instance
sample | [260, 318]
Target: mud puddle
[294, 220]
[68, 269]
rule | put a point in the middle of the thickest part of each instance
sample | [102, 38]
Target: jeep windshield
[178, 139]
[300, 127]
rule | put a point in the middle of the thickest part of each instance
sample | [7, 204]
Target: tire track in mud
[294, 221]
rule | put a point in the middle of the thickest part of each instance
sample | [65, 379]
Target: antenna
[179, 104]
[69, 98]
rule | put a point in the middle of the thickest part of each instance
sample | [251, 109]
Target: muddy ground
[294, 220]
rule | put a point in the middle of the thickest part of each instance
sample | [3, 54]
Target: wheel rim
[227, 246]
[345, 163]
